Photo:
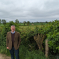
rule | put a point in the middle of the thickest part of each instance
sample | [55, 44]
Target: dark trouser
[16, 53]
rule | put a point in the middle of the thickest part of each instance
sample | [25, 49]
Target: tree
[24, 23]
[4, 21]
[0, 21]
[28, 23]
[46, 22]
[16, 21]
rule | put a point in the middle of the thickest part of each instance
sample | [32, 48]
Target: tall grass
[24, 53]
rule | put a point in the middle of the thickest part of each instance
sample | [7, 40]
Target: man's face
[12, 28]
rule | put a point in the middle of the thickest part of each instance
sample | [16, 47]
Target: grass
[22, 27]
[24, 53]
[1, 24]
[31, 27]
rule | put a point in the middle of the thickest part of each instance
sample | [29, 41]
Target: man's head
[12, 28]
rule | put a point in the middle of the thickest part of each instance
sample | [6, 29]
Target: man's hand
[7, 47]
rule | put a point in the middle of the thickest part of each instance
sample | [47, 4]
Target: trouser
[16, 53]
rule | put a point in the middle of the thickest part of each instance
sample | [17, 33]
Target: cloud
[29, 10]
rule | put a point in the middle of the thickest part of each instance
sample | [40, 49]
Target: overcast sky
[29, 10]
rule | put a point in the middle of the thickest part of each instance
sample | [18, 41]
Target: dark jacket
[17, 40]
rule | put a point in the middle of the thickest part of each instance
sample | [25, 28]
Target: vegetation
[29, 48]
[26, 52]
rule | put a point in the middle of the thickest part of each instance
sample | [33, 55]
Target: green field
[24, 51]
[26, 35]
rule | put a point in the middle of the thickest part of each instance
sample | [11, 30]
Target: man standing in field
[13, 42]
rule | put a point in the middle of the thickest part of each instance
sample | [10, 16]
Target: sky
[29, 10]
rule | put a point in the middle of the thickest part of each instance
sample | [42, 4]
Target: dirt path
[3, 56]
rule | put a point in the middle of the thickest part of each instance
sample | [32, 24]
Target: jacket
[17, 40]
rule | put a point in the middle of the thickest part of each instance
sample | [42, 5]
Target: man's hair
[12, 25]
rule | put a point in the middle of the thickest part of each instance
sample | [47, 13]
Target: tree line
[3, 21]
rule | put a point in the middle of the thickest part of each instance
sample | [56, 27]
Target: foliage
[17, 21]
[28, 23]
[24, 23]
[0, 21]
[52, 33]
[4, 31]
[24, 53]
[51, 30]
[4, 21]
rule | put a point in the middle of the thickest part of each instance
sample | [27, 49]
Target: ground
[3, 56]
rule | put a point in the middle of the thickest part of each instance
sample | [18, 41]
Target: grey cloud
[32, 10]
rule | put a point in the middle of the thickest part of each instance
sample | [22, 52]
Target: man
[13, 42]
